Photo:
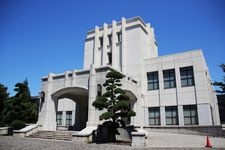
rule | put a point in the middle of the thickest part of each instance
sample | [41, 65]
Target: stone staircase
[58, 135]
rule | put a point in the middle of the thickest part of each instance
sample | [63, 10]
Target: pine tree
[114, 100]
[221, 84]
[19, 107]
[4, 95]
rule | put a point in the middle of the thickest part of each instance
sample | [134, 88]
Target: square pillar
[162, 116]
[63, 118]
[180, 115]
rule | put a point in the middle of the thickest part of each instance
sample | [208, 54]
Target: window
[110, 39]
[119, 36]
[68, 117]
[187, 76]
[169, 78]
[190, 115]
[171, 115]
[99, 90]
[154, 116]
[101, 41]
[59, 118]
[109, 58]
[153, 80]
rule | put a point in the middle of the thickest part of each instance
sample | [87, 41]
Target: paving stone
[156, 141]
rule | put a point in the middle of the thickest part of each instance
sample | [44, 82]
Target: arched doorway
[132, 101]
[80, 96]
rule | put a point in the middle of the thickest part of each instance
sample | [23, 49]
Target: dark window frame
[109, 54]
[169, 76]
[101, 41]
[171, 109]
[110, 39]
[99, 90]
[69, 120]
[155, 110]
[187, 76]
[153, 79]
[59, 119]
[119, 37]
[190, 116]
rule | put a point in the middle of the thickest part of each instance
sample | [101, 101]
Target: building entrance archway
[132, 101]
[78, 95]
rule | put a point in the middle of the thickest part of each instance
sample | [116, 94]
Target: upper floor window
[109, 58]
[169, 78]
[190, 115]
[110, 39]
[171, 115]
[153, 80]
[187, 76]
[119, 35]
[101, 41]
[99, 90]
[154, 116]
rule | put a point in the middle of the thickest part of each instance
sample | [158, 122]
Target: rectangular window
[190, 115]
[154, 116]
[171, 115]
[169, 78]
[68, 117]
[59, 118]
[110, 39]
[153, 80]
[187, 76]
[99, 90]
[101, 41]
[109, 58]
[119, 36]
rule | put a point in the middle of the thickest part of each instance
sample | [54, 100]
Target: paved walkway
[182, 140]
[156, 141]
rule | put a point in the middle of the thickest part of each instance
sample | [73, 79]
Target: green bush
[2, 124]
[18, 124]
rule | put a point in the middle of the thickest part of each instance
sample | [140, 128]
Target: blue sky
[43, 36]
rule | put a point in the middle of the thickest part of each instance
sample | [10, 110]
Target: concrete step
[59, 135]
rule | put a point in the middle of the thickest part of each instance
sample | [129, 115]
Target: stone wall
[197, 130]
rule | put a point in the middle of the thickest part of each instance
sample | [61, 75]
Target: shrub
[18, 124]
[2, 124]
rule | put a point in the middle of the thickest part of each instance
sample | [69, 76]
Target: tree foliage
[4, 95]
[221, 84]
[19, 107]
[114, 100]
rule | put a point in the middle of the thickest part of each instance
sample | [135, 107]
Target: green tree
[19, 107]
[115, 101]
[221, 84]
[4, 95]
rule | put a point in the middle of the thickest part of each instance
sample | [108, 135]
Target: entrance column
[91, 98]
[47, 115]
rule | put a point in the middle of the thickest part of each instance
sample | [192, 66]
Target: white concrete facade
[129, 46]
[66, 113]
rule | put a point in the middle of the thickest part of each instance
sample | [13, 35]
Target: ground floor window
[190, 115]
[68, 117]
[59, 118]
[171, 115]
[154, 116]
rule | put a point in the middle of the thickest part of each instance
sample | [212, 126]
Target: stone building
[170, 90]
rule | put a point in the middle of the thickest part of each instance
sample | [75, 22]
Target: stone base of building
[196, 130]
